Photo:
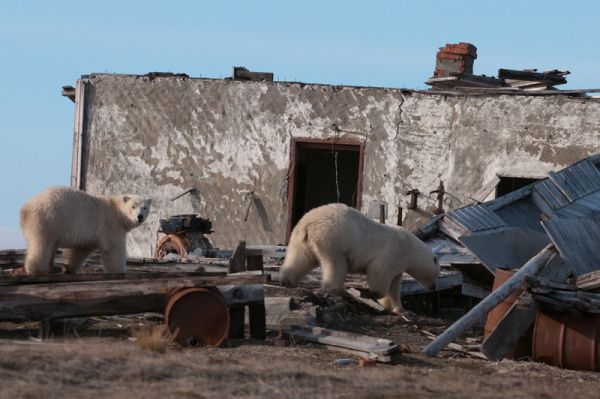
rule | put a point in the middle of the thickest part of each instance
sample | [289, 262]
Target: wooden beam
[532, 267]
[66, 277]
[34, 302]
[588, 281]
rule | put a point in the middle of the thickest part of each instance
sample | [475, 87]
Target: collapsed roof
[508, 231]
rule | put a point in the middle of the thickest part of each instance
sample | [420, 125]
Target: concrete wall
[159, 137]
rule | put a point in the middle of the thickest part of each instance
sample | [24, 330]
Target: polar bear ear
[125, 198]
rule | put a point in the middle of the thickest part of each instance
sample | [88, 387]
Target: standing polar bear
[342, 240]
[62, 217]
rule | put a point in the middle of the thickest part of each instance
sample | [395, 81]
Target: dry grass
[154, 338]
[93, 368]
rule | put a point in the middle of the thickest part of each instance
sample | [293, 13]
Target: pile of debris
[454, 70]
[547, 230]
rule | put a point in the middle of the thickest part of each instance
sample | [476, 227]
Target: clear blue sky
[47, 44]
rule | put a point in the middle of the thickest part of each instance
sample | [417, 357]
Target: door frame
[317, 143]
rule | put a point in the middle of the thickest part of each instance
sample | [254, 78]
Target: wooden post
[237, 316]
[256, 311]
[399, 216]
[531, 268]
[381, 213]
[254, 259]
[258, 321]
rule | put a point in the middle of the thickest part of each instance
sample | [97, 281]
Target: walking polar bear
[343, 240]
[62, 217]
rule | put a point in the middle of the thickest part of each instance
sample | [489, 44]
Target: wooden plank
[78, 135]
[369, 303]
[446, 280]
[36, 302]
[64, 278]
[532, 267]
[520, 316]
[344, 340]
[588, 281]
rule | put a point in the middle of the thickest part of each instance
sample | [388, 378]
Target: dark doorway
[323, 172]
[510, 184]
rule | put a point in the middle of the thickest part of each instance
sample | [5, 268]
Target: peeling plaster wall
[158, 137]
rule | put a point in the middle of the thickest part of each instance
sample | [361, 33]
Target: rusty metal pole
[440, 191]
[382, 213]
[399, 216]
[414, 193]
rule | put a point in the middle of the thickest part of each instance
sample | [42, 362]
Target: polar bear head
[135, 208]
[426, 270]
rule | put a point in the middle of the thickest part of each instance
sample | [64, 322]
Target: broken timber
[532, 267]
[382, 350]
[42, 301]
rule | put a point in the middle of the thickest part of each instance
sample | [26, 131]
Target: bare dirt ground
[99, 358]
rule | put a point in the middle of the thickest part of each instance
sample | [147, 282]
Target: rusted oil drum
[567, 340]
[172, 244]
[199, 315]
[523, 346]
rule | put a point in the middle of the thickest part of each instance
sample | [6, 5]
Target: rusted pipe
[440, 191]
[414, 193]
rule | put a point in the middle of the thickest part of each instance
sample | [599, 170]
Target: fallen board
[380, 349]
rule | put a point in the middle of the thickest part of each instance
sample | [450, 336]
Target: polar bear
[343, 240]
[62, 217]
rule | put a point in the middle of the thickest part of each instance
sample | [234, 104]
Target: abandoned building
[253, 155]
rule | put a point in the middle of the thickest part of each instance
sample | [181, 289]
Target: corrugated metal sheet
[476, 218]
[570, 202]
[509, 247]
[522, 213]
[577, 180]
[548, 197]
[577, 241]
[583, 207]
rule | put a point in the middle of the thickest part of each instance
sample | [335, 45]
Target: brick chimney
[455, 59]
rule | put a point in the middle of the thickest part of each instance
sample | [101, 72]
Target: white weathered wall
[159, 137]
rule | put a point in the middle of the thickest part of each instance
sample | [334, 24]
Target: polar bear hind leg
[334, 268]
[40, 257]
[75, 258]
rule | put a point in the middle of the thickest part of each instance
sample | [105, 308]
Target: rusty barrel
[567, 340]
[199, 316]
[523, 346]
